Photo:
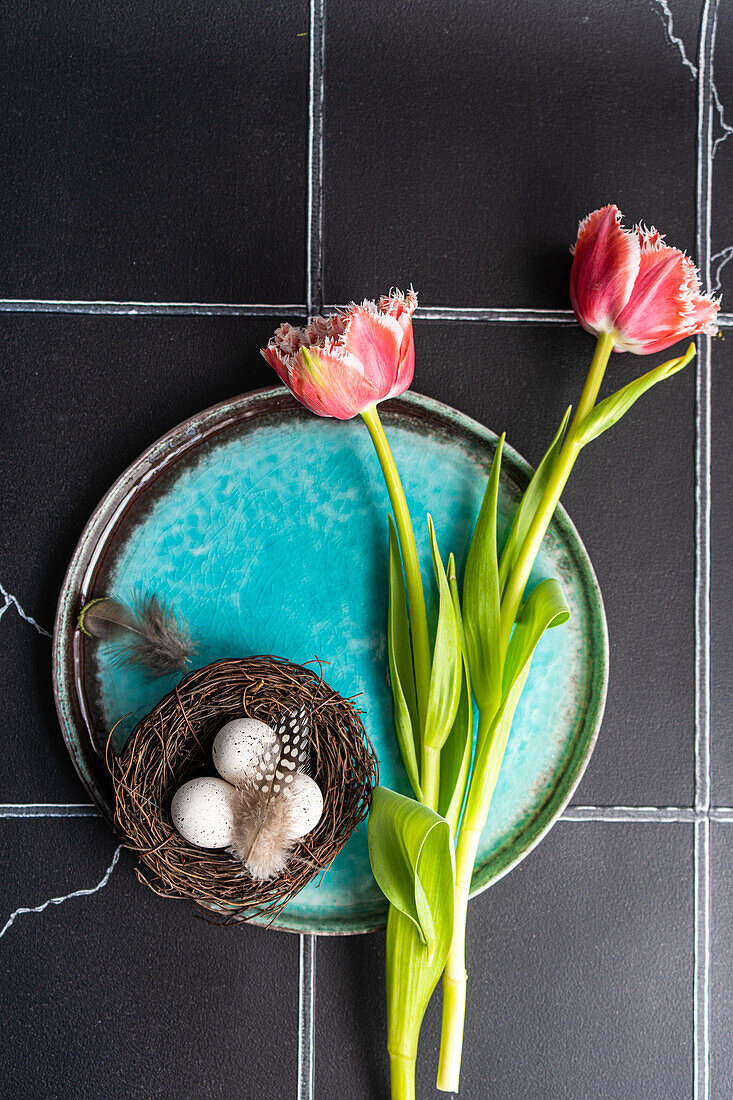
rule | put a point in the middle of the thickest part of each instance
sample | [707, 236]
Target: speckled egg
[307, 804]
[203, 813]
[238, 746]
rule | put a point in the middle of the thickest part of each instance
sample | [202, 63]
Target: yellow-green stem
[402, 1076]
[413, 579]
[477, 807]
[553, 490]
[454, 975]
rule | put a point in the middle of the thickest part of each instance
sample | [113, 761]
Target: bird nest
[173, 744]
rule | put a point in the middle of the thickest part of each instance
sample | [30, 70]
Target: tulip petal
[339, 366]
[605, 265]
[666, 304]
[332, 383]
[375, 339]
[401, 307]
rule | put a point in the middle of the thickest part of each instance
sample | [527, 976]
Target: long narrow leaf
[608, 412]
[411, 853]
[401, 672]
[543, 609]
[528, 505]
[446, 673]
[481, 598]
[455, 758]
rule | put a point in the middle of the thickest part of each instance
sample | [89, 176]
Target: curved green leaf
[411, 853]
[528, 505]
[446, 672]
[481, 598]
[544, 608]
[401, 671]
[606, 413]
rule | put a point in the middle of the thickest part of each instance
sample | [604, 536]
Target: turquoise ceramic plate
[266, 527]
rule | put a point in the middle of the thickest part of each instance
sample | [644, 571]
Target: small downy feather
[264, 828]
[263, 835]
[149, 632]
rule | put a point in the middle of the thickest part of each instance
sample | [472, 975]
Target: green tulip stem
[402, 1076]
[478, 800]
[413, 583]
[454, 975]
[553, 490]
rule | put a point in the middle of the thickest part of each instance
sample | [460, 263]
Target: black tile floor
[258, 161]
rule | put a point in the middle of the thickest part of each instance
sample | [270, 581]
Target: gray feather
[148, 633]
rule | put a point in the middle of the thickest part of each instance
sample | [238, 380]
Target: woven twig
[173, 744]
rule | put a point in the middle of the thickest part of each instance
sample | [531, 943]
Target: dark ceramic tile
[631, 497]
[580, 972]
[722, 574]
[83, 397]
[464, 142]
[722, 164]
[154, 150]
[122, 993]
[721, 967]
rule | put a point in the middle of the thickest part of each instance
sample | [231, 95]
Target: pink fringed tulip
[634, 287]
[339, 366]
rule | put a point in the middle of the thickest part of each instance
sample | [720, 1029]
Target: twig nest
[173, 745]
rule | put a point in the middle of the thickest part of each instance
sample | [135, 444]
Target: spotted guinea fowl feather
[263, 826]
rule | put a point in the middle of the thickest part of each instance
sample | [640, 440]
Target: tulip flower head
[633, 286]
[339, 366]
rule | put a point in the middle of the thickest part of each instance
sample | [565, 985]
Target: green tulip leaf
[411, 852]
[482, 599]
[607, 412]
[528, 505]
[455, 758]
[446, 672]
[401, 671]
[544, 608]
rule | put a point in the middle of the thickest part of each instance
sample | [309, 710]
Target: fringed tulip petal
[375, 339]
[665, 305]
[401, 307]
[633, 286]
[339, 366]
[605, 265]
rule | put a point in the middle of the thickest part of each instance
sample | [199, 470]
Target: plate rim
[168, 449]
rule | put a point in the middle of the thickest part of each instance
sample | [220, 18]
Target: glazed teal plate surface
[266, 527]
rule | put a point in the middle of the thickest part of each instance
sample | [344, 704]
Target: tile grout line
[48, 809]
[659, 814]
[701, 976]
[466, 314]
[314, 201]
[610, 814]
[306, 1016]
[314, 304]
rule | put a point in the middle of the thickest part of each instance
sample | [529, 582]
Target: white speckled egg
[203, 812]
[307, 804]
[238, 746]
